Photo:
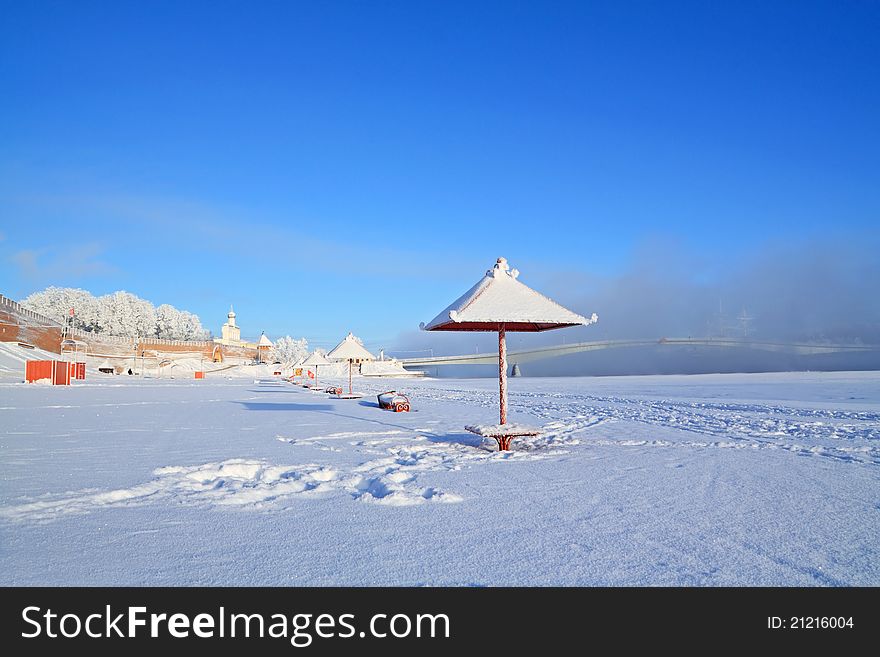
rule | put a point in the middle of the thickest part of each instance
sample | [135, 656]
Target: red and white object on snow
[315, 360]
[394, 401]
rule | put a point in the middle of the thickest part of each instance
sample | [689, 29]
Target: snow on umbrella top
[350, 349]
[264, 341]
[499, 298]
[501, 303]
[314, 359]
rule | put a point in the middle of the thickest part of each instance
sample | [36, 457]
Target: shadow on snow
[268, 406]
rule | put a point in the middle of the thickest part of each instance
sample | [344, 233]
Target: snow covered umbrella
[499, 302]
[314, 360]
[298, 363]
[351, 350]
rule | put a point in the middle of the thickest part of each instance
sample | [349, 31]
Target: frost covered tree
[120, 313]
[56, 302]
[290, 350]
[125, 314]
[190, 327]
[167, 321]
[174, 324]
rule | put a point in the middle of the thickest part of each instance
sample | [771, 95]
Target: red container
[200, 375]
[60, 373]
[77, 371]
[35, 370]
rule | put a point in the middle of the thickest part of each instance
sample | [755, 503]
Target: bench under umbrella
[500, 302]
[351, 350]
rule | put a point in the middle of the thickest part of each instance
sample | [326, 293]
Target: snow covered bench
[502, 433]
[394, 401]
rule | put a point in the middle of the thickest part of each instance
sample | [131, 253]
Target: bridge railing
[564, 349]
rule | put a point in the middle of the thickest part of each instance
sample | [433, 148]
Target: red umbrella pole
[502, 372]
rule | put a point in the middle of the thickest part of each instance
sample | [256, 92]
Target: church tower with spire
[230, 333]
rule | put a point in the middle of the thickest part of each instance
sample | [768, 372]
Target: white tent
[351, 350]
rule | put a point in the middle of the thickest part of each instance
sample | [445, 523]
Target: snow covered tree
[120, 314]
[167, 321]
[174, 324]
[56, 302]
[125, 314]
[290, 350]
[191, 327]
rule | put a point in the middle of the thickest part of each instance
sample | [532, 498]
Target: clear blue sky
[335, 166]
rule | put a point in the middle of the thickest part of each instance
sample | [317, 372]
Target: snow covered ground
[758, 479]
[14, 358]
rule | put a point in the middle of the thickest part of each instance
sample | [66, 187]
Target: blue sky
[340, 166]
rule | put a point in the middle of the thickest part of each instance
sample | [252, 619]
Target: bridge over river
[540, 353]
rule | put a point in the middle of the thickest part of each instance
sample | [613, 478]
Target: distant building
[264, 348]
[229, 332]
[230, 336]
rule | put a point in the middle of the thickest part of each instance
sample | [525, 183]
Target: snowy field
[759, 479]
